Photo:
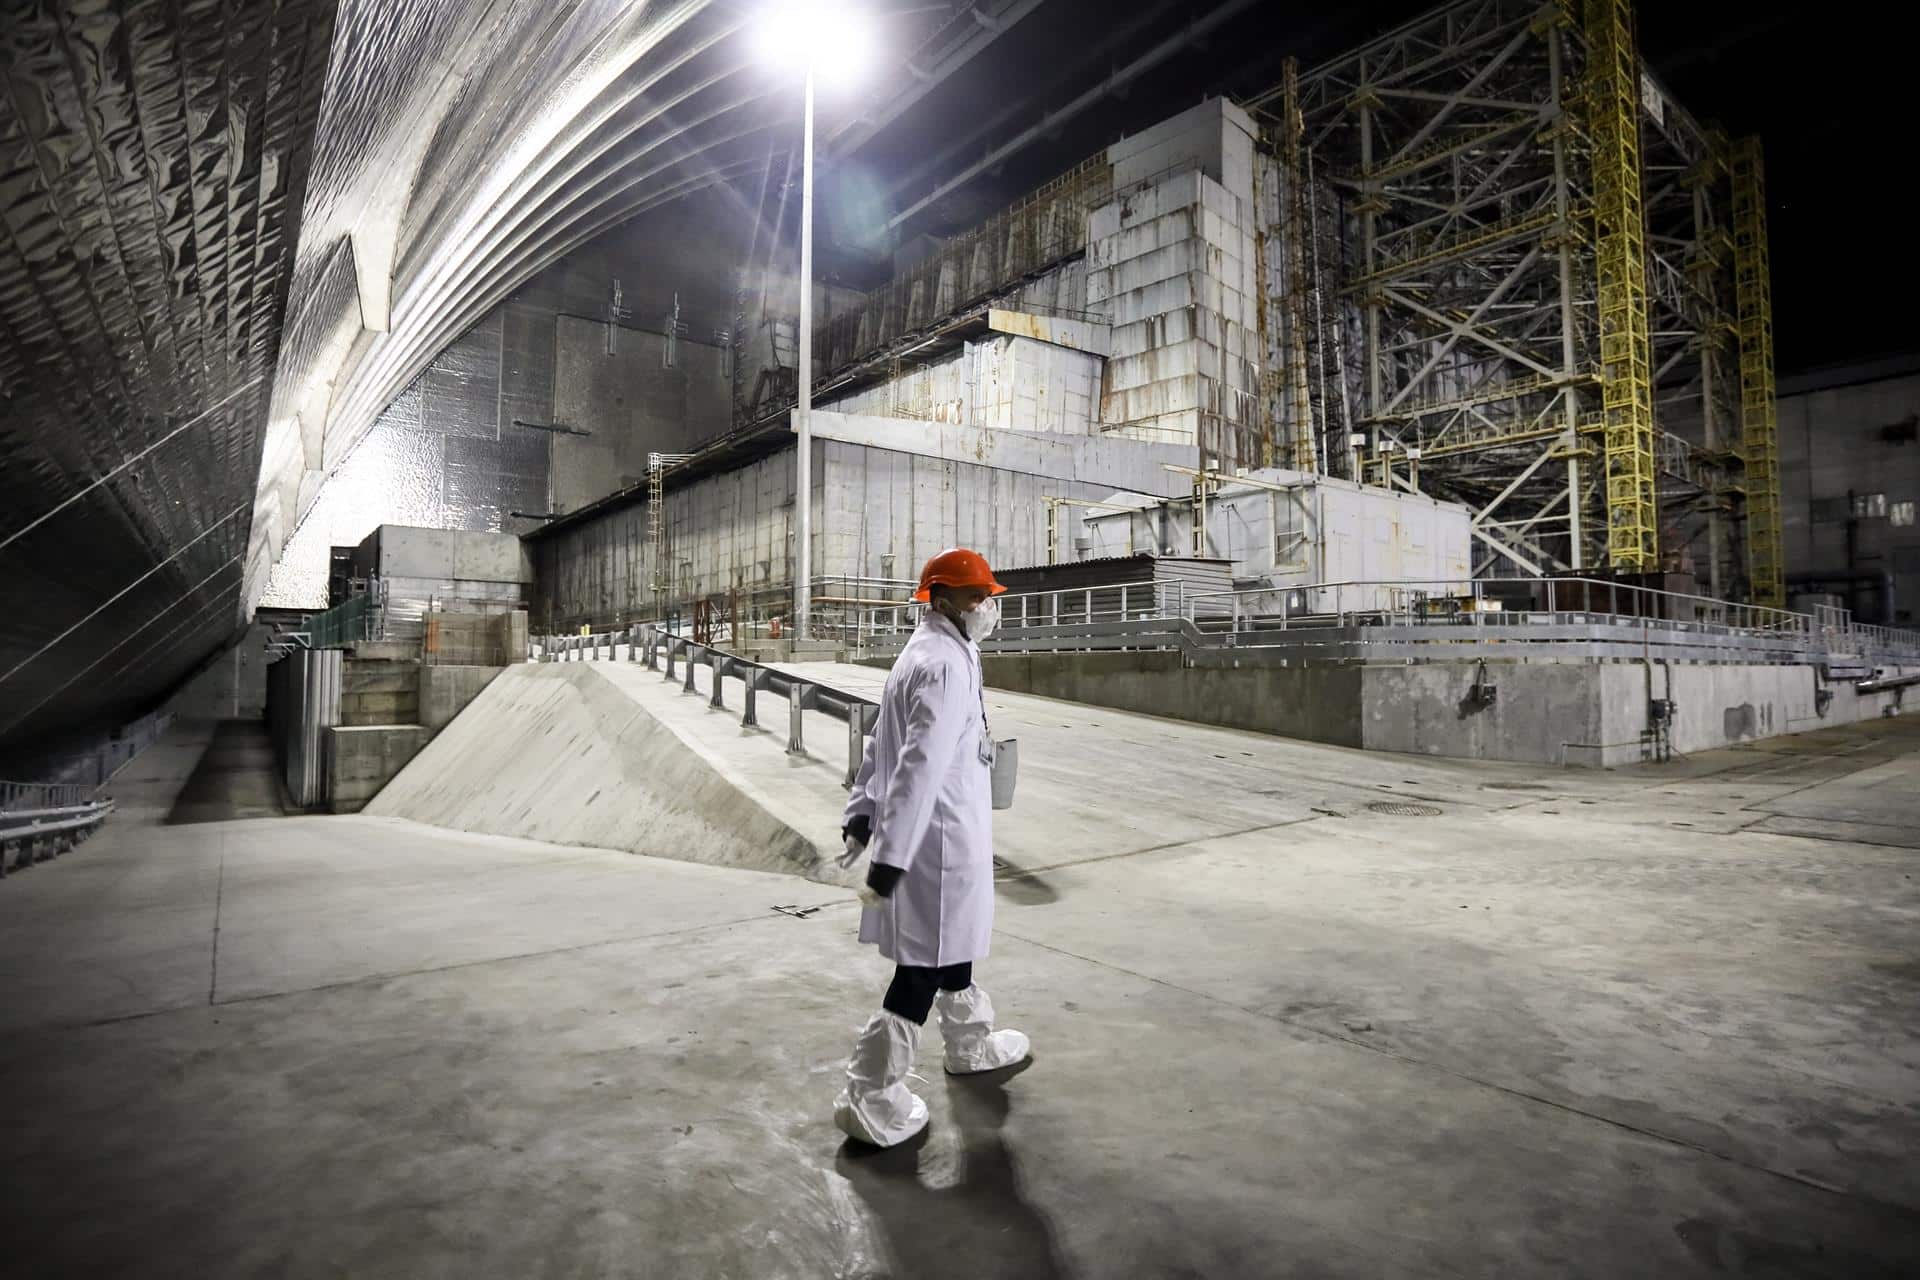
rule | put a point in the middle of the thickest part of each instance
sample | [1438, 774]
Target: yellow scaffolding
[1293, 218]
[1620, 266]
[1759, 435]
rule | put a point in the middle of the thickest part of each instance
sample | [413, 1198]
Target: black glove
[861, 829]
[882, 878]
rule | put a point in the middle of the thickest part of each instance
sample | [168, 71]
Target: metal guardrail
[1560, 619]
[648, 643]
[32, 829]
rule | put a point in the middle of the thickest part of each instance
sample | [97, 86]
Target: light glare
[832, 38]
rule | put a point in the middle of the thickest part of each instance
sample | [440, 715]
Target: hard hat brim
[926, 593]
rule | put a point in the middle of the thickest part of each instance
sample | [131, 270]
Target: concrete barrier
[1591, 714]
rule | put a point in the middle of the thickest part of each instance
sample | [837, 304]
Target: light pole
[803, 461]
[829, 37]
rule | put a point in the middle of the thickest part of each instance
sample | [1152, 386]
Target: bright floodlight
[830, 37]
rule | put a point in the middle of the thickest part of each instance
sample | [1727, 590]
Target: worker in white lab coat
[922, 805]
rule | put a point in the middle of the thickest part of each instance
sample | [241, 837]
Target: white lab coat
[929, 795]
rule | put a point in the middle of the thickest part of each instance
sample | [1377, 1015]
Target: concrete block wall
[445, 691]
[1006, 382]
[927, 487]
[1172, 265]
[1316, 703]
[1215, 135]
[407, 551]
[939, 392]
[361, 759]
[881, 508]
[1024, 385]
[379, 692]
[729, 532]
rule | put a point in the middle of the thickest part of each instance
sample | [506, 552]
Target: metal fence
[843, 608]
[352, 621]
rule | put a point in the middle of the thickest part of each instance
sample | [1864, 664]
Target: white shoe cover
[966, 1020]
[876, 1106]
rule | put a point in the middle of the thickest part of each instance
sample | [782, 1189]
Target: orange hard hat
[958, 567]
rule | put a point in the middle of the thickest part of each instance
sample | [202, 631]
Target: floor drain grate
[1400, 809]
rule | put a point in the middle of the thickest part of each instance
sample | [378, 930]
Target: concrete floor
[235, 777]
[1648, 1022]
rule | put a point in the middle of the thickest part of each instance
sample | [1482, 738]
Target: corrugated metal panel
[153, 163]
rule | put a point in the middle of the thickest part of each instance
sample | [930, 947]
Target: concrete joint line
[1027, 872]
[219, 897]
[475, 964]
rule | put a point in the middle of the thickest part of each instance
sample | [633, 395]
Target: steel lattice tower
[1758, 432]
[1515, 289]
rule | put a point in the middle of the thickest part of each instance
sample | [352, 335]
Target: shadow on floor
[235, 778]
[1027, 888]
[983, 1224]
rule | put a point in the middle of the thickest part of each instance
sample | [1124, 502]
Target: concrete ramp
[609, 754]
[602, 755]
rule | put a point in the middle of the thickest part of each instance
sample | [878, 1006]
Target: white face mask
[981, 620]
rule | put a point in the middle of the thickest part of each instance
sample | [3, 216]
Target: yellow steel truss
[1759, 437]
[1620, 267]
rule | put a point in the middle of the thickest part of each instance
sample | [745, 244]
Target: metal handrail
[1572, 611]
[647, 642]
[1635, 599]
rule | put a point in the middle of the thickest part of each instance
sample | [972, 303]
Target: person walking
[922, 806]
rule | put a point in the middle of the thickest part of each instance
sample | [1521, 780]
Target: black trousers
[911, 992]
